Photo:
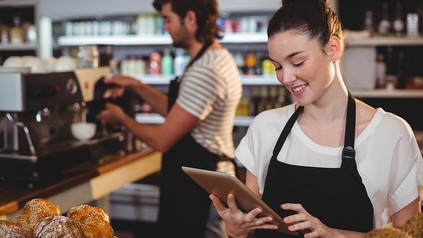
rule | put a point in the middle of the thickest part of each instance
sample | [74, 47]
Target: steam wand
[26, 131]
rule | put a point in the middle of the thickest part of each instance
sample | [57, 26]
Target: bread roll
[414, 226]
[34, 211]
[38, 205]
[387, 233]
[93, 220]
[58, 226]
[9, 229]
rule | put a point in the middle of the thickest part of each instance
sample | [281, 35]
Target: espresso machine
[36, 112]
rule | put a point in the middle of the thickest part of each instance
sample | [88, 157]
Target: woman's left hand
[305, 223]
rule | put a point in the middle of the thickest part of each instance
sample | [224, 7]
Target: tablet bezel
[221, 184]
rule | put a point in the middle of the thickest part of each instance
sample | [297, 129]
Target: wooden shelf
[383, 93]
[228, 38]
[385, 41]
[18, 47]
[246, 80]
[14, 3]
[158, 119]
[151, 39]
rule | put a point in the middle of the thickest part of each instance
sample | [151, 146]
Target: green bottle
[167, 63]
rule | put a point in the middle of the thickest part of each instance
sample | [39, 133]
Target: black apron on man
[184, 206]
[336, 196]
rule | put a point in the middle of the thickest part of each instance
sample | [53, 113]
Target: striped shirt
[210, 90]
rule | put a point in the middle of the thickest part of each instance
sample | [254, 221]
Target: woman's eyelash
[299, 64]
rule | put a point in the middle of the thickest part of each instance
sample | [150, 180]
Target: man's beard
[180, 44]
[181, 40]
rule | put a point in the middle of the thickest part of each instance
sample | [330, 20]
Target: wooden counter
[87, 183]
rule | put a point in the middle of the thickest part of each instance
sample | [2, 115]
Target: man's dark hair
[206, 12]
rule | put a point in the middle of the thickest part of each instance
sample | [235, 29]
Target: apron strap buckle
[348, 153]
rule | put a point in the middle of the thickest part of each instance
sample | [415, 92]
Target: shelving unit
[246, 80]
[20, 47]
[14, 3]
[232, 39]
[246, 38]
[158, 119]
[25, 10]
[385, 41]
[143, 40]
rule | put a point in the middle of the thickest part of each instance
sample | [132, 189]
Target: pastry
[58, 226]
[9, 229]
[93, 220]
[34, 211]
[414, 226]
[387, 233]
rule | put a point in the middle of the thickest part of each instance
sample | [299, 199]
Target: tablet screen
[222, 184]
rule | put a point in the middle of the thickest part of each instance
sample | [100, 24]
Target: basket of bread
[413, 228]
[42, 219]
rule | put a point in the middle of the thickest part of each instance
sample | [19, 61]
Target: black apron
[184, 206]
[336, 196]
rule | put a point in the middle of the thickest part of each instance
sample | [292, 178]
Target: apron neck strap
[200, 53]
[348, 151]
[286, 130]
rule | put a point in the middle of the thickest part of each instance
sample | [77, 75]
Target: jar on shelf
[16, 31]
[4, 34]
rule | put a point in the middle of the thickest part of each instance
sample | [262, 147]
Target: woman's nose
[288, 77]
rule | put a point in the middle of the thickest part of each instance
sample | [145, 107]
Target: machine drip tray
[55, 159]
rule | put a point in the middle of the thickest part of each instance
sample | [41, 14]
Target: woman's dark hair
[313, 17]
[206, 11]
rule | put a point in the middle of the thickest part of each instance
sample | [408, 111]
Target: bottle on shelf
[239, 61]
[384, 24]
[391, 68]
[243, 107]
[250, 64]
[272, 97]
[154, 63]
[391, 64]
[16, 31]
[259, 65]
[133, 65]
[412, 24]
[380, 71]
[167, 63]
[401, 79]
[4, 34]
[281, 97]
[264, 98]
[368, 22]
[254, 105]
[268, 69]
[398, 22]
[179, 62]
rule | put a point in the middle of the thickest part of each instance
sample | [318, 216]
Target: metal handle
[26, 131]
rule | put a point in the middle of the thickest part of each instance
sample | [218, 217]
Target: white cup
[83, 130]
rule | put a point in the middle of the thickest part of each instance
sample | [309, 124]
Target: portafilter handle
[26, 131]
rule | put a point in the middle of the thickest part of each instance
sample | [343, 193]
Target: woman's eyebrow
[289, 56]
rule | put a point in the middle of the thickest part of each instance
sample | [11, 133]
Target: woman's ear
[336, 48]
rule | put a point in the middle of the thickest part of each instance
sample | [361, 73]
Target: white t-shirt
[387, 155]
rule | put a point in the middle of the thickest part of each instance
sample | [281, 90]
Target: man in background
[199, 113]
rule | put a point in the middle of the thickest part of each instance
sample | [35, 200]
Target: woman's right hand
[121, 82]
[239, 224]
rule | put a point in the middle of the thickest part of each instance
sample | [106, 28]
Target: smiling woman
[326, 143]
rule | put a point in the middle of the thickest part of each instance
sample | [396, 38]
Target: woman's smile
[298, 90]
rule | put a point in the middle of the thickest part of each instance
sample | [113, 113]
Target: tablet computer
[222, 184]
